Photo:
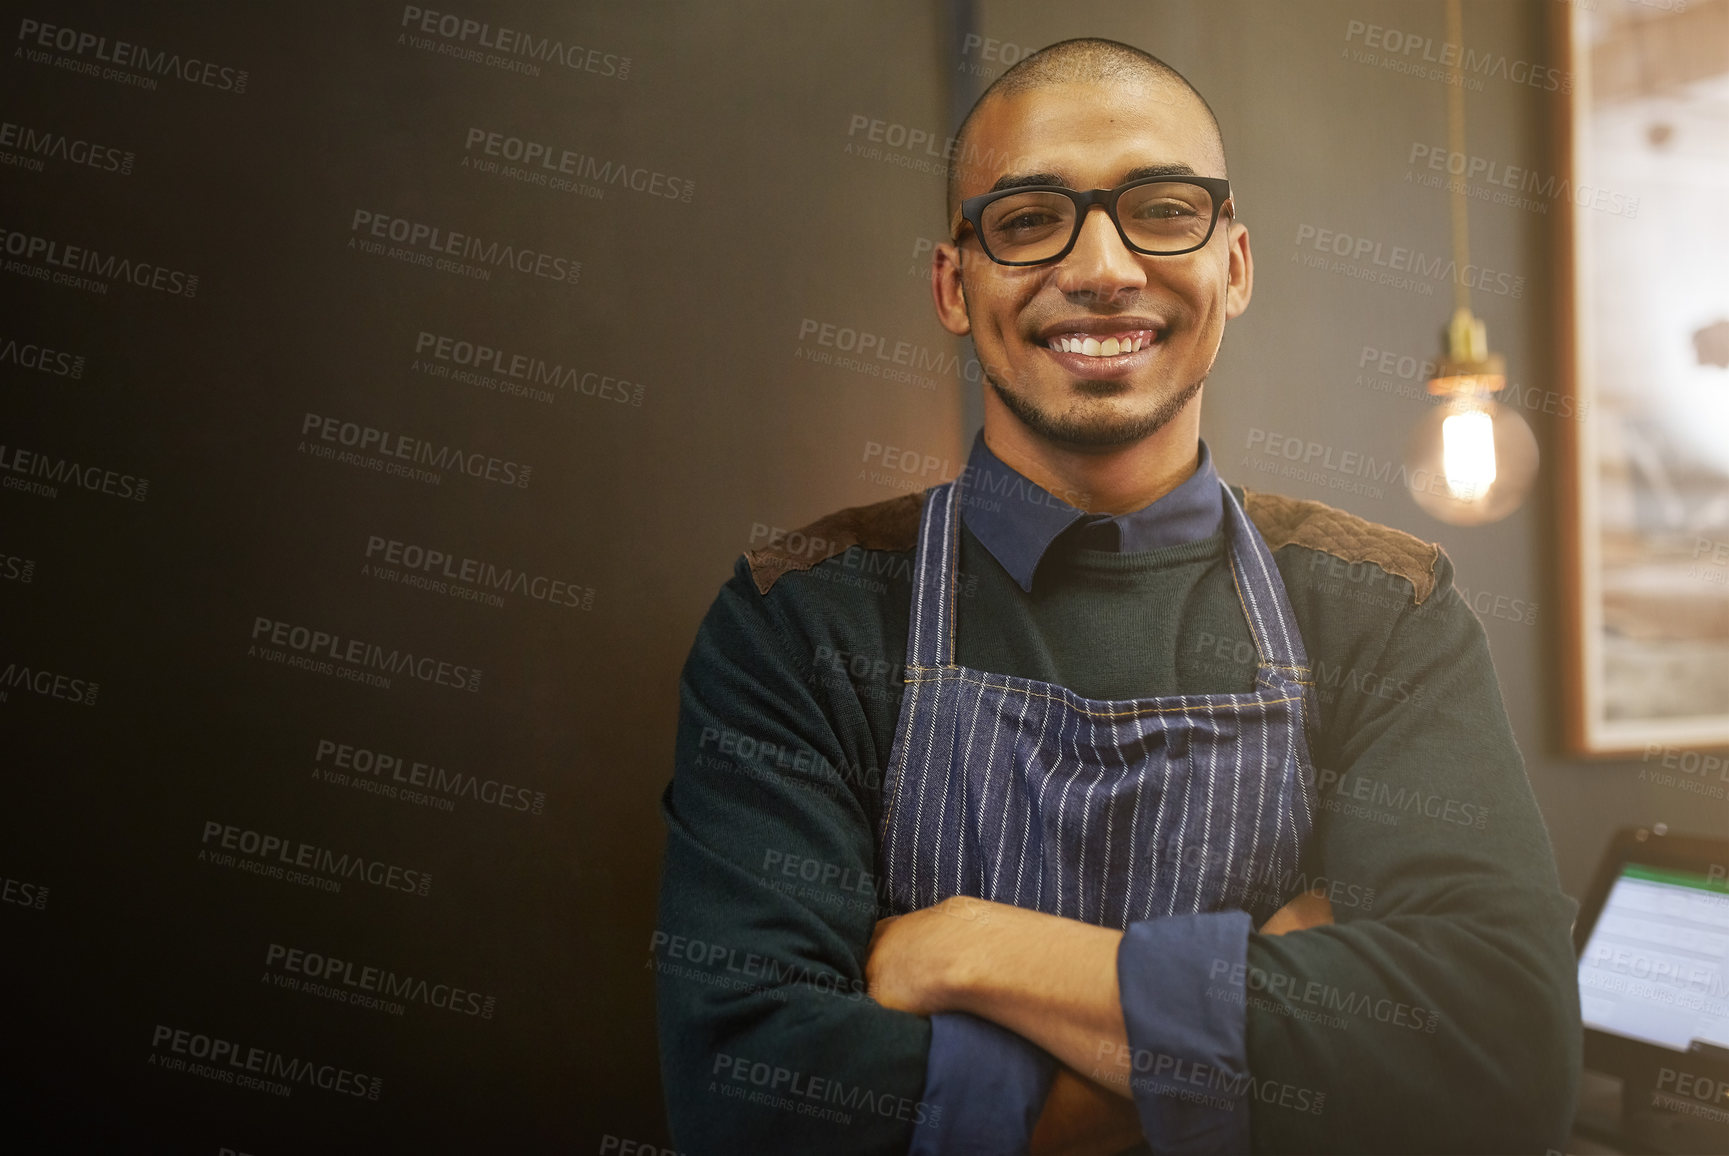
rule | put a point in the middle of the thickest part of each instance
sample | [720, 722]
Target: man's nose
[1100, 264]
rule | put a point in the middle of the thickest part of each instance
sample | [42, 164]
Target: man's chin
[1101, 387]
[1097, 436]
[1090, 421]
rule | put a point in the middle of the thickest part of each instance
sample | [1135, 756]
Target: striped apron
[1103, 810]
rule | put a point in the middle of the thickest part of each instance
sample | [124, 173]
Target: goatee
[1093, 433]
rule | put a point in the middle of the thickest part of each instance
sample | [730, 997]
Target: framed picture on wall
[1643, 456]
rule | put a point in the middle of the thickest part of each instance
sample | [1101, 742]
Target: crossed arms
[1446, 980]
[1049, 979]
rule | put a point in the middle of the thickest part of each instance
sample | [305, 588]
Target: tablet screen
[1656, 967]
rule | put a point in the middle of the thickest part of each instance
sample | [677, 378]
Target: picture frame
[1642, 454]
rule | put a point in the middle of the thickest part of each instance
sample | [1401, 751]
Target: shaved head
[1088, 60]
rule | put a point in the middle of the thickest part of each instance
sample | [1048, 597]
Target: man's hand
[1309, 909]
[1050, 979]
[910, 962]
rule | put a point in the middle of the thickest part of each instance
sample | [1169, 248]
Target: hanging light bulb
[1471, 460]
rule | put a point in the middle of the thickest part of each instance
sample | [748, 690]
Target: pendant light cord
[1456, 143]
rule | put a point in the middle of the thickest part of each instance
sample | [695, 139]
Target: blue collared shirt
[990, 1083]
[1018, 520]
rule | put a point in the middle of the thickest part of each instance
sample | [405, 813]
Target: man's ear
[947, 292]
[1240, 277]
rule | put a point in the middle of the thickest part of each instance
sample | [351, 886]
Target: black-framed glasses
[1037, 224]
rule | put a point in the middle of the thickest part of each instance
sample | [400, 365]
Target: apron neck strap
[933, 605]
[1262, 594]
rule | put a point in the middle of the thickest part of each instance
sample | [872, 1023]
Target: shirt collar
[1017, 520]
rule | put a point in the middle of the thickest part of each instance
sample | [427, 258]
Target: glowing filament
[1468, 454]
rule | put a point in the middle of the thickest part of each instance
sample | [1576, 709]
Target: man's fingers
[1305, 911]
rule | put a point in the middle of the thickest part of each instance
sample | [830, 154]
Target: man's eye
[1166, 210]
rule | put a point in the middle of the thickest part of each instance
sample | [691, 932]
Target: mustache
[1102, 304]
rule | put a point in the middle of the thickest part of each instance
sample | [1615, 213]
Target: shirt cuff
[1189, 1068]
[984, 1089]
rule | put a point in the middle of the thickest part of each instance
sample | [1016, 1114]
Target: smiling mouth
[1111, 345]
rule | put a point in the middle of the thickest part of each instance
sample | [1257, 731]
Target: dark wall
[277, 475]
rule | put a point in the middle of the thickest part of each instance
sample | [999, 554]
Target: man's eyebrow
[1170, 170]
[1022, 180]
[1025, 179]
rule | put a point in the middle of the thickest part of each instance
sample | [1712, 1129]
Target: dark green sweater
[1439, 1013]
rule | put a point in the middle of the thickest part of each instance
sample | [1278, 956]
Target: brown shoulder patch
[888, 525]
[1286, 521]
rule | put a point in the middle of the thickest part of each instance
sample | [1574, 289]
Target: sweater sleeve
[1440, 1012]
[769, 1042]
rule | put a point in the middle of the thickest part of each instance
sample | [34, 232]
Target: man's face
[1173, 308]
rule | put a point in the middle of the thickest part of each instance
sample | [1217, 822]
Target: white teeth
[1109, 347]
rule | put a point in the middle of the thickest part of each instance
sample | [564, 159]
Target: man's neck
[1109, 481]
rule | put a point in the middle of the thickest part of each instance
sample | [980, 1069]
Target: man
[1194, 814]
